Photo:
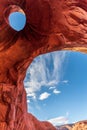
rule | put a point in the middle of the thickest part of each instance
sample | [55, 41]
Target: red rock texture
[51, 25]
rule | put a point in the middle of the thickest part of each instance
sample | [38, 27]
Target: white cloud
[28, 101]
[44, 95]
[59, 121]
[65, 81]
[52, 88]
[30, 94]
[67, 114]
[55, 91]
[44, 71]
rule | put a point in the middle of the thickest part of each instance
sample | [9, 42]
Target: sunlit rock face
[50, 25]
[82, 125]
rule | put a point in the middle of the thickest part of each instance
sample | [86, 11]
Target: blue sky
[56, 86]
[17, 20]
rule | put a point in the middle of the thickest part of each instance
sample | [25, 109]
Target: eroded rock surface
[51, 25]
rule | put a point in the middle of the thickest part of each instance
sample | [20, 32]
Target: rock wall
[51, 25]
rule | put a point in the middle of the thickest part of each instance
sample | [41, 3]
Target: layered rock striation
[51, 25]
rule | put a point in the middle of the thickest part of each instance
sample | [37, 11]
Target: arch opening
[17, 21]
[15, 17]
[56, 87]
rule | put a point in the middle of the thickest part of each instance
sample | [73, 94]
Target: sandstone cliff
[51, 25]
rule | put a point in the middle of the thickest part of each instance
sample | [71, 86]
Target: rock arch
[51, 25]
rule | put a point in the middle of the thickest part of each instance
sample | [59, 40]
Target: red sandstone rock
[51, 25]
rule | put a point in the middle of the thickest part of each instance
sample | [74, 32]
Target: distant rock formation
[51, 25]
[82, 125]
[65, 127]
